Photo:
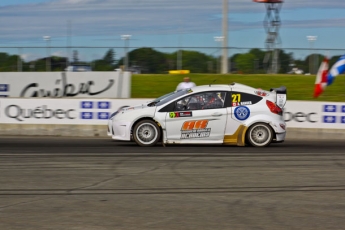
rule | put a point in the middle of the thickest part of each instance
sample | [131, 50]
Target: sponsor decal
[103, 115]
[4, 90]
[330, 108]
[86, 115]
[342, 120]
[236, 100]
[300, 117]
[261, 93]
[64, 89]
[40, 112]
[241, 103]
[343, 109]
[281, 100]
[329, 119]
[103, 105]
[242, 113]
[195, 129]
[95, 105]
[180, 114]
[4, 87]
[246, 103]
[314, 117]
[86, 105]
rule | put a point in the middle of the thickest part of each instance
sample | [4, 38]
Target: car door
[197, 118]
[239, 110]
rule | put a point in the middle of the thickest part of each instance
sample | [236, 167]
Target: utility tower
[272, 24]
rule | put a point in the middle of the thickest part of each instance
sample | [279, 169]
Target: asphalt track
[97, 183]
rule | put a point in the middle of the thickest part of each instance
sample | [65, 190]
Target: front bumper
[110, 128]
[119, 130]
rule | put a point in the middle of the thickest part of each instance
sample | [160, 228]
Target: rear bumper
[280, 137]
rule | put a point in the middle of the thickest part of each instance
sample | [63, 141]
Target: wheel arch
[145, 118]
[259, 122]
[261, 119]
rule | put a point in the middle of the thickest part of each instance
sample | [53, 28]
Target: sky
[164, 23]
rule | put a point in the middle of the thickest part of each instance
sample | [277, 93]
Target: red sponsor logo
[190, 125]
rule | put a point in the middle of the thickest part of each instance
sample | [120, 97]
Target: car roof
[233, 86]
[241, 87]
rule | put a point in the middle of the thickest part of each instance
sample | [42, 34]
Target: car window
[206, 100]
[240, 98]
[168, 97]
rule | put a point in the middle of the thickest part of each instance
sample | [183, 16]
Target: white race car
[233, 114]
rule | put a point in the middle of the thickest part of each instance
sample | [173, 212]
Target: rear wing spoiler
[281, 95]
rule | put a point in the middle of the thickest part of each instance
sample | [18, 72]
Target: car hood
[137, 111]
[136, 107]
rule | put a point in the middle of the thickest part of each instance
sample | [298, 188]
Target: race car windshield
[169, 97]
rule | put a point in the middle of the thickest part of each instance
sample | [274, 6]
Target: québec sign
[114, 84]
[311, 114]
[65, 89]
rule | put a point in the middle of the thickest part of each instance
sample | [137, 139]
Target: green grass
[299, 87]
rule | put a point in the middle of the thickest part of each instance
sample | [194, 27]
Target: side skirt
[238, 138]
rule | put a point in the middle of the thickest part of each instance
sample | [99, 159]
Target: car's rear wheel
[260, 135]
[146, 133]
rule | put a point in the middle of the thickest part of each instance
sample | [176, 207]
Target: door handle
[216, 114]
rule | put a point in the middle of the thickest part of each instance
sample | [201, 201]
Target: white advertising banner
[297, 114]
[115, 84]
[61, 111]
[308, 114]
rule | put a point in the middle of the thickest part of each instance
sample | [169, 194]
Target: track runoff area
[97, 183]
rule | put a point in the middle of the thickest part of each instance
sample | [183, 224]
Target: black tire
[259, 135]
[146, 133]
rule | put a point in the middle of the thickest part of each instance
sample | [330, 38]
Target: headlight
[113, 115]
[118, 110]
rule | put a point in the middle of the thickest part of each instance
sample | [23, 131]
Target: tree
[148, 60]
[107, 63]
[245, 62]
[285, 60]
[109, 57]
[8, 63]
[195, 61]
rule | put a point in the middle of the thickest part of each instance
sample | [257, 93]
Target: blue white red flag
[325, 78]
[337, 68]
[321, 78]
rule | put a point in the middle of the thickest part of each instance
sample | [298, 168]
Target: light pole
[311, 40]
[225, 61]
[47, 39]
[68, 43]
[126, 38]
[19, 64]
[219, 39]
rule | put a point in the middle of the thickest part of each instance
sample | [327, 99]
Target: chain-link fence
[163, 59]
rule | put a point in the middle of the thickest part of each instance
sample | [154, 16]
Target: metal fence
[50, 58]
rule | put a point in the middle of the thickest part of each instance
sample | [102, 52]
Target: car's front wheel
[146, 133]
[260, 135]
